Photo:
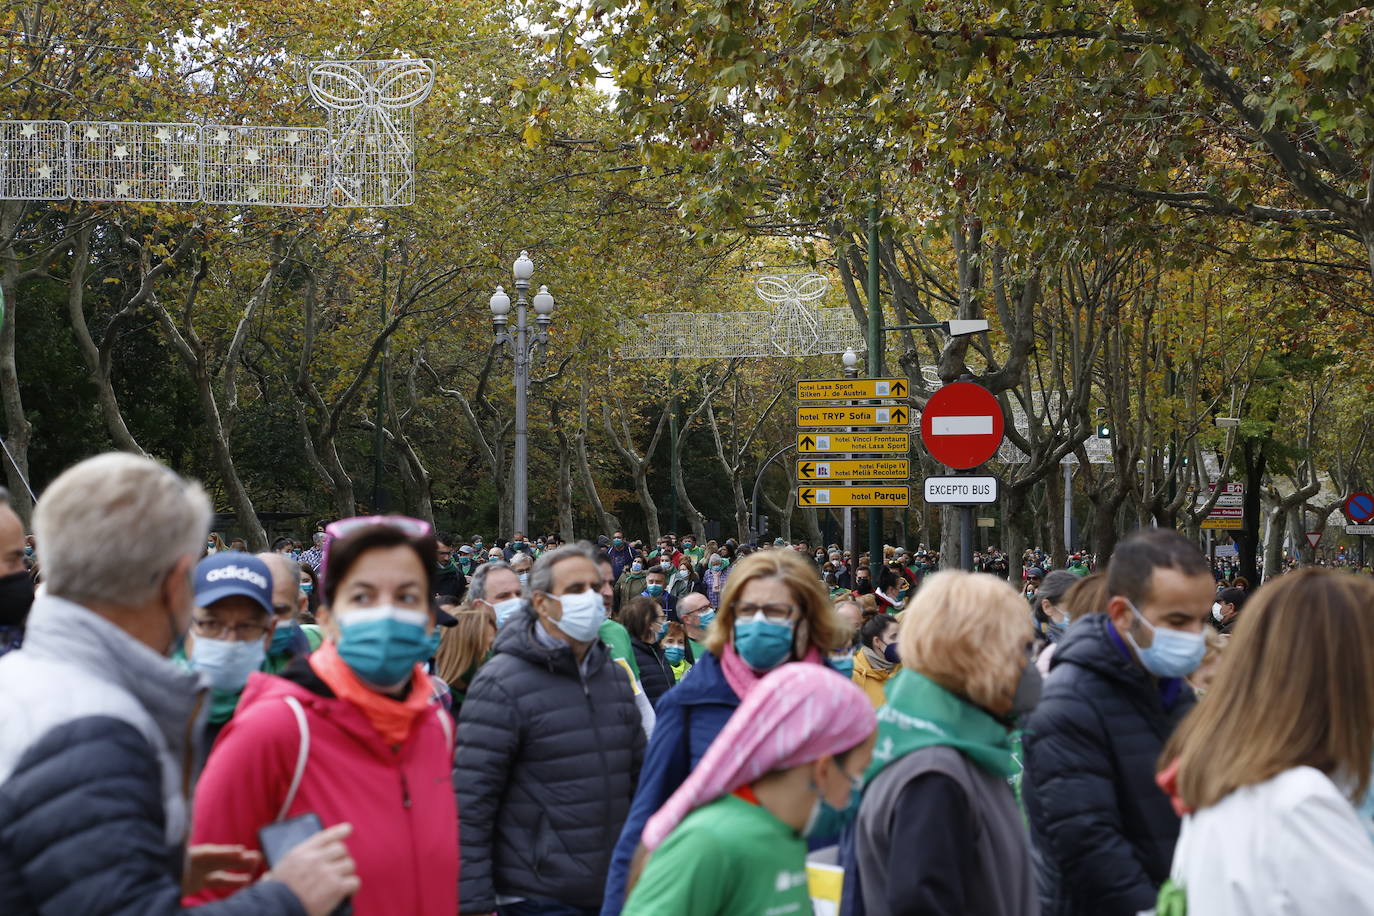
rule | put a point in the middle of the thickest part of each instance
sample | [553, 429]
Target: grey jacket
[97, 756]
[998, 880]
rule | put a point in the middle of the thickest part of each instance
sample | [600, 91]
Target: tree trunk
[565, 507]
[18, 430]
[1273, 545]
[1014, 533]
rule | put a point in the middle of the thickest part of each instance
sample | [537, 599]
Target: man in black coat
[549, 748]
[1103, 829]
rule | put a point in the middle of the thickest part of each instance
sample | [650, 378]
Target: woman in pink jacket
[351, 733]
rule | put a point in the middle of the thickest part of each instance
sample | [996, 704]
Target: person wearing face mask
[496, 585]
[656, 588]
[695, 613]
[620, 554]
[786, 767]
[16, 583]
[939, 831]
[1104, 830]
[464, 648]
[289, 605]
[632, 581]
[1085, 596]
[647, 624]
[549, 748]
[713, 580]
[231, 629]
[878, 658]
[352, 733]
[1276, 770]
[451, 579]
[774, 612]
[516, 545]
[102, 740]
[693, 550]
[521, 566]
[1050, 618]
[675, 650]
[863, 581]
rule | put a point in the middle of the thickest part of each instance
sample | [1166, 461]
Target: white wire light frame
[794, 326]
[366, 158]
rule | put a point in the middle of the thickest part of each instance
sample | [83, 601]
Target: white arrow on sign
[961, 426]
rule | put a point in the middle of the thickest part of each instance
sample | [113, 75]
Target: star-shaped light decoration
[254, 195]
[307, 180]
[163, 134]
[45, 172]
[293, 137]
[221, 136]
[92, 132]
[122, 189]
[251, 154]
[28, 130]
[121, 151]
[177, 173]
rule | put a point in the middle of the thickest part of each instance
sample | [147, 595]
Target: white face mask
[583, 614]
[226, 662]
[1216, 611]
[505, 610]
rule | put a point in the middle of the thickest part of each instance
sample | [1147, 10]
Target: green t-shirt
[617, 639]
[728, 858]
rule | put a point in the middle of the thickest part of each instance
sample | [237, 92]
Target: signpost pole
[875, 361]
[966, 537]
[1068, 508]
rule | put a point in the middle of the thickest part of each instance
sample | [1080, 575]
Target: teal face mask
[434, 639]
[282, 638]
[827, 821]
[761, 643]
[383, 644]
[674, 654]
[653, 591]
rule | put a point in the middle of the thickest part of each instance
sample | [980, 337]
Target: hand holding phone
[313, 862]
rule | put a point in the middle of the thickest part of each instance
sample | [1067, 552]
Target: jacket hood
[517, 638]
[1089, 644]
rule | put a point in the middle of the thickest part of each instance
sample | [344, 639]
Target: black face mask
[16, 595]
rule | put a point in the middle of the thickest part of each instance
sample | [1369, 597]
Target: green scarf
[920, 713]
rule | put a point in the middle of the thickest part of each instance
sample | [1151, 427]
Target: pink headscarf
[797, 713]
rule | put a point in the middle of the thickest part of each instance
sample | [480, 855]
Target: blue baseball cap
[223, 574]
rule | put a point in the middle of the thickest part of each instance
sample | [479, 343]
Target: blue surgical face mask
[282, 638]
[827, 821]
[674, 654]
[662, 630]
[843, 664]
[505, 610]
[704, 620]
[1172, 653]
[524, 579]
[307, 588]
[761, 643]
[227, 662]
[653, 591]
[636, 567]
[434, 639]
[382, 644]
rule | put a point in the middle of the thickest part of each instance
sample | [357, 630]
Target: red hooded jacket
[399, 799]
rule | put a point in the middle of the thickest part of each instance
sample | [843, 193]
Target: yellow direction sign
[854, 469]
[853, 416]
[890, 497]
[851, 389]
[853, 443]
[1222, 524]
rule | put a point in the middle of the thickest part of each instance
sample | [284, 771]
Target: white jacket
[1289, 846]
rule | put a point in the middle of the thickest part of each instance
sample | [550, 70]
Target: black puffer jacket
[548, 756]
[1103, 829]
[655, 674]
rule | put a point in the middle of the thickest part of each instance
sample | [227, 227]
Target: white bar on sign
[961, 426]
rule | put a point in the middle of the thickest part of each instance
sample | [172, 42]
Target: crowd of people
[390, 720]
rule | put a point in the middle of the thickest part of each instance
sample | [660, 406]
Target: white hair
[113, 526]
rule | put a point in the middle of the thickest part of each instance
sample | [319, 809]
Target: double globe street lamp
[522, 350]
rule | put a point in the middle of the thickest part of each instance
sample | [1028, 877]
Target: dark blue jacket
[689, 718]
[1104, 830]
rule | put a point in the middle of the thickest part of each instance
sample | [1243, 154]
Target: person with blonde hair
[464, 648]
[939, 831]
[1270, 765]
[773, 612]
[787, 766]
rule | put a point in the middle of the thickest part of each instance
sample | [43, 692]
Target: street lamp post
[522, 351]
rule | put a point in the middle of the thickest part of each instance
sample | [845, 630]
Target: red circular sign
[962, 425]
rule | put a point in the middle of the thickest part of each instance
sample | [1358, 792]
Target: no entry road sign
[873, 497]
[1359, 507]
[851, 389]
[853, 443]
[854, 469]
[961, 425]
[853, 416]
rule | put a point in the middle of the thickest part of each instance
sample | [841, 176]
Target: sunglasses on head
[410, 527]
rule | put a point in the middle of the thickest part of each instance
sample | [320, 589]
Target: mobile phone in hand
[276, 840]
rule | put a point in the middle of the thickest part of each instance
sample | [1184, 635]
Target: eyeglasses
[773, 613]
[410, 527]
[242, 632]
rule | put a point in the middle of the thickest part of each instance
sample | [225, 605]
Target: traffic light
[763, 525]
[1104, 426]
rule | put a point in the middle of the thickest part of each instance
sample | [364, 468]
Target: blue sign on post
[1359, 507]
